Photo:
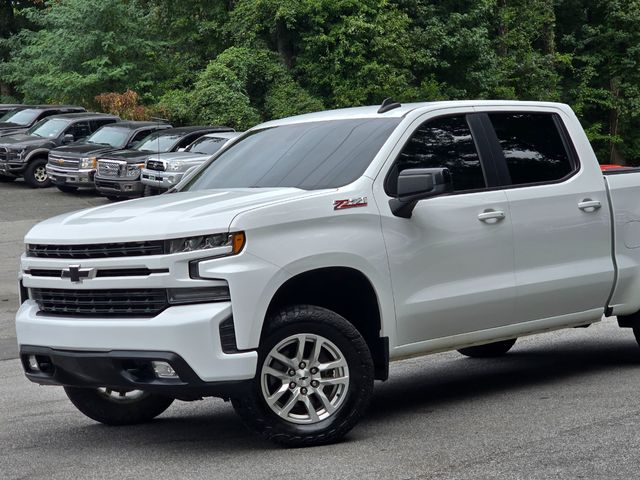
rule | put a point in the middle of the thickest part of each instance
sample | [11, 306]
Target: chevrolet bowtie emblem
[77, 274]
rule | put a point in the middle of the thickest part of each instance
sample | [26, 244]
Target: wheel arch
[346, 291]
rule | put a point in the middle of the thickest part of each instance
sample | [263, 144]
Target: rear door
[560, 215]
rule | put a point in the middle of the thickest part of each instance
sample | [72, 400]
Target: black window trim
[482, 149]
[501, 161]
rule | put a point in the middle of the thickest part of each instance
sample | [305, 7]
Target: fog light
[33, 363]
[164, 370]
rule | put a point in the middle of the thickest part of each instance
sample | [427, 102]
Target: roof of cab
[134, 124]
[401, 111]
[82, 116]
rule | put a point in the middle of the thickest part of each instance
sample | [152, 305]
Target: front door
[451, 263]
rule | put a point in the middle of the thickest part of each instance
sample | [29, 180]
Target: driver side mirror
[68, 138]
[416, 184]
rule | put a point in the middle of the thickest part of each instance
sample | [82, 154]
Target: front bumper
[158, 179]
[12, 168]
[191, 332]
[122, 370]
[76, 178]
[119, 187]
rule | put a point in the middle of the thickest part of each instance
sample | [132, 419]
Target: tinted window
[79, 130]
[311, 155]
[96, 124]
[532, 146]
[442, 142]
[140, 135]
[189, 139]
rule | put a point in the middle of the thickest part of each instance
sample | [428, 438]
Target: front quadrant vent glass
[532, 147]
[309, 155]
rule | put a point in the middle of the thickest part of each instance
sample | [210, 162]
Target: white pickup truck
[289, 270]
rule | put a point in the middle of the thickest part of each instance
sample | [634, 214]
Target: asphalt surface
[559, 405]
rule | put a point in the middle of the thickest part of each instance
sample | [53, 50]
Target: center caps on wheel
[304, 378]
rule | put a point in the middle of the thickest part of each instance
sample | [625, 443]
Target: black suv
[20, 119]
[25, 154]
[118, 174]
[74, 165]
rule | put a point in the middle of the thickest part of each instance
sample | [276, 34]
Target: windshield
[49, 127]
[21, 117]
[310, 156]
[113, 136]
[158, 142]
[206, 145]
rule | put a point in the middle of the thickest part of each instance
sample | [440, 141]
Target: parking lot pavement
[21, 208]
[560, 405]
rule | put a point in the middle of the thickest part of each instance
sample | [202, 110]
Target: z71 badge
[350, 203]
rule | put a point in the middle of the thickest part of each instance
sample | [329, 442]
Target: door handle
[491, 216]
[588, 205]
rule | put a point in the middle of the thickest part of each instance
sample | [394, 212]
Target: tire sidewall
[360, 377]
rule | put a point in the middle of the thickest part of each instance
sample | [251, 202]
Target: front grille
[156, 165]
[6, 154]
[104, 250]
[109, 169]
[101, 273]
[104, 303]
[64, 162]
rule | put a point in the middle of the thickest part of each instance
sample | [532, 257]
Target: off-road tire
[33, 175]
[101, 409]
[67, 188]
[309, 319]
[489, 350]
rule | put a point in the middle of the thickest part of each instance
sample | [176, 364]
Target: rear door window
[533, 147]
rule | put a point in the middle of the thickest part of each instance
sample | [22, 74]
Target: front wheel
[314, 379]
[495, 349]
[36, 174]
[118, 407]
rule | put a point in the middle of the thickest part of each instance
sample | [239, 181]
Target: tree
[83, 48]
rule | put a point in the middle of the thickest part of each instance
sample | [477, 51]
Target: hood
[175, 156]
[82, 150]
[161, 217]
[8, 126]
[130, 156]
[23, 140]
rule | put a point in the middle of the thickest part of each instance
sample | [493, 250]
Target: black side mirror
[68, 138]
[416, 184]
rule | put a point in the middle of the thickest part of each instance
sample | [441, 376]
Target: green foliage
[240, 88]
[240, 62]
[82, 48]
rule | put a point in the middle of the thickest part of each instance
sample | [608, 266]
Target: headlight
[234, 243]
[133, 170]
[174, 166]
[88, 162]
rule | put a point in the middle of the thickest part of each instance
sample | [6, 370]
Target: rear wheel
[495, 349]
[6, 179]
[118, 407]
[67, 188]
[36, 174]
[314, 379]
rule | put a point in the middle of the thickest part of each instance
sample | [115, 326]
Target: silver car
[163, 171]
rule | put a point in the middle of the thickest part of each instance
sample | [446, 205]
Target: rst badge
[350, 203]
